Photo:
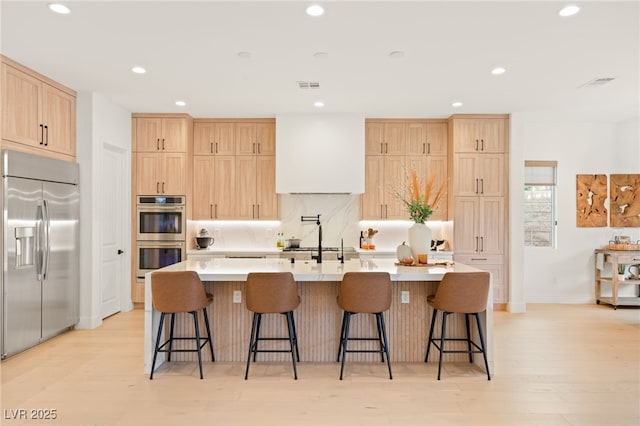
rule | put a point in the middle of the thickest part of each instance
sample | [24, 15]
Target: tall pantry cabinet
[478, 163]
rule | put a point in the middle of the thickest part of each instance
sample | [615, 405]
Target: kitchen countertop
[215, 269]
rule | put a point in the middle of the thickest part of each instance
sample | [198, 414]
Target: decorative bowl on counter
[204, 242]
[293, 242]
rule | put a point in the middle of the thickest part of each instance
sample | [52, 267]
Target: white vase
[419, 239]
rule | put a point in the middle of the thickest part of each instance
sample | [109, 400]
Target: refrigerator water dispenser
[24, 246]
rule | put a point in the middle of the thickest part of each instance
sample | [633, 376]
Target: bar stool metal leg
[291, 342]
[173, 320]
[295, 335]
[256, 317]
[195, 323]
[386, 342]
[344, 342]
[206, 324]
[443, 331]
[484, 350]
[344, 320]
[433, 323]
[255, 352]
[379, 327]
[155, 352]
[466, 320]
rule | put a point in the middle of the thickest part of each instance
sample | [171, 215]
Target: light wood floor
[555, 365]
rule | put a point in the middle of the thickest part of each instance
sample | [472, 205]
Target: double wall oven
[160, 232]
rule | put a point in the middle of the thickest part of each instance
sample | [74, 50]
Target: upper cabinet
[213, 138]
[161, 134]
[385, 137]
[37, 113]
[480, 135]
[255, 138]
[428, 138]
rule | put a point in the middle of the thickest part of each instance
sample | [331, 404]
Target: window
[539, 203]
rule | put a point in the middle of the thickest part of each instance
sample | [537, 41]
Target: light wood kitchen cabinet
[214, 185]
[161, 134]
[37, 112]
[257, 138]
[479, 174]
[383, 176]
[479, 159]
[480, 134]
[160, 173]
[385, 137]
[427, 138]
[213, 138]
[256, 196]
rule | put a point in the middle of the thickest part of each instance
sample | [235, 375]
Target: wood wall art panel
[591, 192]
[625, 201]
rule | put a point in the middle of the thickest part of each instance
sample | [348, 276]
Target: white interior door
[112, 235]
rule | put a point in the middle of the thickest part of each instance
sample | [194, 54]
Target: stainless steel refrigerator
[40, 266]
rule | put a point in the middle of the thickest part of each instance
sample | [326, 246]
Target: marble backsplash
[339, 216]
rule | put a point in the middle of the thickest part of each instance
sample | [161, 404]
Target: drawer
[479, 259]
[627, 258]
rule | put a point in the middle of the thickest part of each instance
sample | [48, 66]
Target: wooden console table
[616, 258]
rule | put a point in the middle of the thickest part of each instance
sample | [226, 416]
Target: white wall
[565, 274]
[99, 121]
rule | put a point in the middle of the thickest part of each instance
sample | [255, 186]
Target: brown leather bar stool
[272, 293]
[465, 293]
[175, 292]
[364, 293]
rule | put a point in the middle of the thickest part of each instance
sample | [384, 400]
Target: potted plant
[421, 204]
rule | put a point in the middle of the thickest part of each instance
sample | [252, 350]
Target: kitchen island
[318, 317]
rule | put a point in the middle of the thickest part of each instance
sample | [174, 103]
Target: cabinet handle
[482, 145]
[424, 148]
[211, 147]
[479, 258]
[254, 148]
[216, 212]
[258, 205]
[482, 185]
[429, 148]
[46, 132]
[381, 149]
[41, 134]
[386, 213]
[476, 244]
[476, 144]
[158, 144]
[386, 148]
[216, 147]
[163, 144]
[211, 211]
[258, 150]
[477, 186]
[481, 244]
[157, 187]
[163, 187]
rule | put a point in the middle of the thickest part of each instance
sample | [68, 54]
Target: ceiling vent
[598, 81]
[308, 84]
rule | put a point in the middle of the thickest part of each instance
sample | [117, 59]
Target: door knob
[120, 251]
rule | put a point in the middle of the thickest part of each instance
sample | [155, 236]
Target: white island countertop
[212, 269]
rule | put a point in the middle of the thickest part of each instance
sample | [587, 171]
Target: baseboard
[89, 323]
[517, 308]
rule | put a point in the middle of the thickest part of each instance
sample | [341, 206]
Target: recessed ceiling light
[321, 55]
[570, 10]
[315, 10]
[59, 8]
[244, 55]
[456, 104]
[318, 104]
[396, 54]
[498, 71]
[181, 103]
[138, 70]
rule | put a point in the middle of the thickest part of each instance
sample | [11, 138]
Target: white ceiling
[190, 50]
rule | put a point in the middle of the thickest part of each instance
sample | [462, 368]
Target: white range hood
[320, 153]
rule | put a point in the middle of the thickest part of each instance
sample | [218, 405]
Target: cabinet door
[394, 139]
[174, 135]
[394, 180]
[224, 187]
[246, 139]
[437, 165]
[437, 139]
[266, 197]
[59, 116]
[203, 179]
[148, 134]
[465, 135]
[466, 236]
[374, 135]
[203, 139]
[492, 134]
[21, 97]
[466, 178]
[491, 224]
[148, 170]
[491, 174]
[173, 176]
[245, 187]
[417, 139]
[371, 201]
[266, 139]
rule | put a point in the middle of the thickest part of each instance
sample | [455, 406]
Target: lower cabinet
[490, 263]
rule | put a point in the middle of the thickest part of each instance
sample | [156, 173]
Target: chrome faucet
[315, 219]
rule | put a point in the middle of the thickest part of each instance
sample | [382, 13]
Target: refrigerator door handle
[39, 241]
[47, 242]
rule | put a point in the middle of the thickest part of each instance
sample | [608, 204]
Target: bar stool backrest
[179, 291]
[463, 292]
[365, 292]
[271, 292]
